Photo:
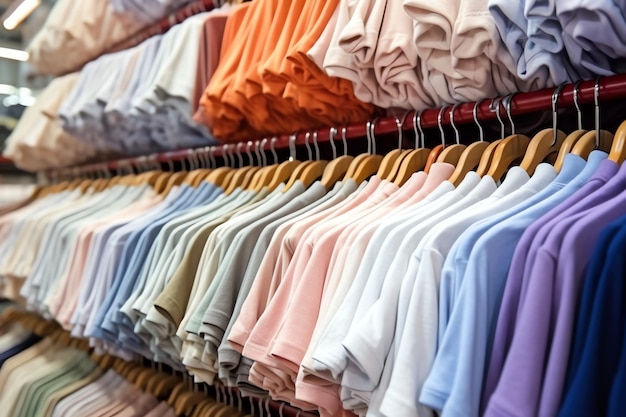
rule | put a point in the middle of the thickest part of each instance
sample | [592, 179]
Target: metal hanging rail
[612, 87]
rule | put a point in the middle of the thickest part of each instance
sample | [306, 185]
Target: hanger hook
[368, 134]
[307, 135]
[373, 135]
[456, 131]
[495, 106]
[280, 410]
[239, 156]
[475, 115]
[441, 132]
[331, 138]
[292, 146]
[577, 104]
[257, 151]
[211, 156]
[231, 156]
[273, 149]
[555, 111]
[316, 146]
[508, 103]
[249, 152]
[263, 156]
[225, 155]
[596, 101]
[399, 124]
[344, 140]
[417, 122]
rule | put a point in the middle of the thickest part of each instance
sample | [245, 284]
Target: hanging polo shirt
[367, 353]
[97, 280]
[43, 388]
[418, 315]
[217, 316]
[141, 253]
[254, 225]
[52, 400]
[405, 267]
[189, 274]
[134, 240]
[181, 280]
[616, 404]
[525, 251]
[68, 240]
[513, 229]
[405, 197]
[527, 369]
[265, 285]
[343, 271]
[123, 242]
[227, 281]
[594, 360]
[229, 357]
[329, 358]
[38, 281]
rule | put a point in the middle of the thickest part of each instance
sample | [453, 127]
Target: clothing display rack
[612, 87]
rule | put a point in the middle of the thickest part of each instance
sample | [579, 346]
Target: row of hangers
[486, 158]
[176, 388]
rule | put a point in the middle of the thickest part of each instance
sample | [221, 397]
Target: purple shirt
[528, 321]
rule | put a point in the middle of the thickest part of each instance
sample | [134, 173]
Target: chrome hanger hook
[257, 151]
[331, 138]
[555, 111]
[373, 135]
[263, 155]
[316, 146]
[273, 149]
[239, 155]
[579, 112]
[417, 126]
[368, 134]
[292, 146]
[344, 140]
[441, 132]
[456, 131]
[496, 102]
[399, 124]
[596, 101]
[249, 152]
[475, 115]
[508, 102]
[307, 135]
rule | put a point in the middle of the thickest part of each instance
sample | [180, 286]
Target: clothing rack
[610, 88]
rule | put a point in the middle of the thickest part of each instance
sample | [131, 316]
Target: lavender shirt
[546, 315]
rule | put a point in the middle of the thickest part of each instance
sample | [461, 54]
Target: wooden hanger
[450, 154]
[545, 142]
[598, 139]
[618, 150]
[469, 160]
[370, 163]
[571, 139]
[473, 154]
[335, 170]
[511, 149]
[267, 175]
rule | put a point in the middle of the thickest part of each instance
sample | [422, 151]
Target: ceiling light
[15, 54]
[19, 10]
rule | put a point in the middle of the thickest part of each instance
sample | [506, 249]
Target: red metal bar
[522, 103]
